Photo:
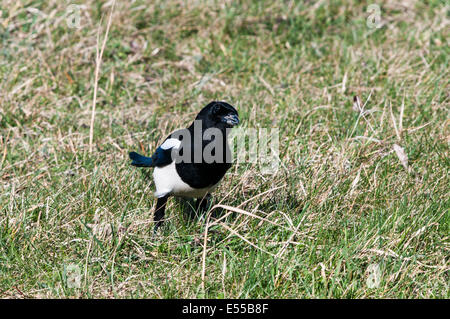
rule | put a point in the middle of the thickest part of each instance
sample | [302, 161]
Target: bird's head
[219, 114]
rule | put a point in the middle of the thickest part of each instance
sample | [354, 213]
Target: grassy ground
[343, 200]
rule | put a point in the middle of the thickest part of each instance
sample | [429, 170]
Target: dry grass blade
[205, 242]
[246, 240]
[243, 212]
[397, 132]
[98, 62]
[357, 107]
[5, 149]
[260, 194]
[286, 244]
[78, 92]
[401, 154]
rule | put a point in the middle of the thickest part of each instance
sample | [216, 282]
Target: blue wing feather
[161, 157]
[140, 160]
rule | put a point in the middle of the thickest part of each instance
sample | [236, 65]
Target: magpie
[191, 162]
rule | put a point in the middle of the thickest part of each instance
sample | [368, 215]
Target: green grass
[340, 201]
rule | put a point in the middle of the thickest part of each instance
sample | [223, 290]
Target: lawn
[359, 204]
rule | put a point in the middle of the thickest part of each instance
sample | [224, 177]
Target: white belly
[168, 182]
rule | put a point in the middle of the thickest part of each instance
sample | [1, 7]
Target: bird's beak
[231, 119]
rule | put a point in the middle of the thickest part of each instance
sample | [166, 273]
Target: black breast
[203, 174]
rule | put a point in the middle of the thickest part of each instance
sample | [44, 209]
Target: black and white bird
[191, 162]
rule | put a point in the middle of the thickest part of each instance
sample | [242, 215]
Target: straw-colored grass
[359, 183]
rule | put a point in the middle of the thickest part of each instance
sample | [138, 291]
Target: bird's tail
[140, 161]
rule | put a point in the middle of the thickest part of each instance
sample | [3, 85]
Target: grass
[340, 202]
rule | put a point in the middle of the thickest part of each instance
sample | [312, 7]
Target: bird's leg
[159, 211]
[201, 205]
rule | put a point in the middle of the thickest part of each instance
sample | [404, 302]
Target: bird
[191, 162]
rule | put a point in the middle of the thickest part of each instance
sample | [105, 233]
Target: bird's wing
[163, 154]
